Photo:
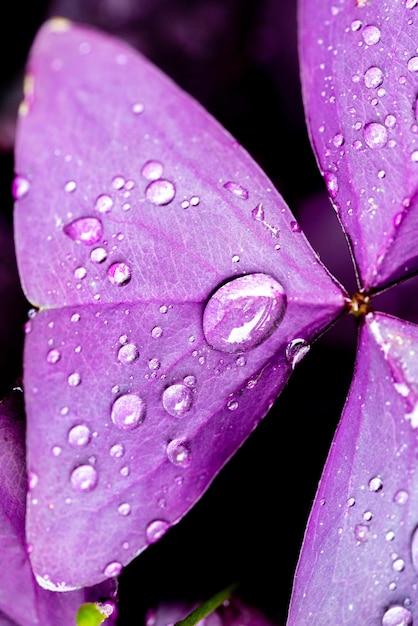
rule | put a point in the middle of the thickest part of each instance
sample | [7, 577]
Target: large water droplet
[87, 230]
[84, 478]
[237, 189]
[375, 135]
[128, 411]
[119, 274]
[178, 452]
[413, 64]
[128, 353]
[243, 313]
[397, 616]
[371, 35]
[156, 529]
[177, 399]
[373, 77]
[160, 192]
[152, 170]
[20, 187]
[79, 436]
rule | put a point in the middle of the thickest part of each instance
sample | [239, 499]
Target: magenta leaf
[165, 267]
[359, 68]
[22, 601]
[362, 536]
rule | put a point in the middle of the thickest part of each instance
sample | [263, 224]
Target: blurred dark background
[239, 59]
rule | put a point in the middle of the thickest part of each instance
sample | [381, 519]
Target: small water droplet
[152, 170]
[241, 361]
[397, 616]
[177, 399]
[112, 569]
[361, 532]
[138, 108]
[375, 484]
[80, 273]
[194, 200]
[338, 140]
[190, 380]
[371, 35]
[70, 186]
[398, 565]
[373, 77]
[367, 516]
[20, 187]
[232, 405]
[296, 350]
[351, 502]
[295, 227]
[128, 411]
[390, 535]
[104, 203]
[258, 213]
[33, 480]
[53, 356]
[160, 192]
[124, 509]
[356, 25]
[79, 436]
[84, 478]
[117, 451]
[128, 353]
[98, 255]
[237, 189]
[235, 258]
[156, 332]
[56, 450]
[156, 529]
[124, 471]
[243, 313]
[75, 317]
[87, 230]
[118, 182]
[154, 364]
[178, 453]
[119, 274]
[401, 497]
[74, 379]
[331, 182]
[390, 120]
[375, 135]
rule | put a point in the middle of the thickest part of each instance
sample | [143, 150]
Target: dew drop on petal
[128, 353]
[410, 4]
[74, 379]
[112, 569]
[80, 273]
[156, 529]
[232, 405]
[189, 380]
[414, 549]
[331, 182]
[371, 35]
[160, 192]
[87, 230]
[128, 411]
[397, 616]
[237, 189]
[20, 187]
[138, 108]
[401, 497]
[177, 400]
[152, 170]
[119, 274]
[117, 451]
[398, 565]
[124, 509]
[296, 350]
[156, 332]
[98, 255]
[243, 313]
[375, 135]
[84, 478]
[178, 453]
[70, 186]
[338, 140]
[79, 436]
[375, 484]
[33, 480]
[154, 364]
[118, 182]
[413, 64]
[361, 532]
[53, 356]
[373, 77]
[104, 203]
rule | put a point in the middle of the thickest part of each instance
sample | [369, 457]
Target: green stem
[207, 607]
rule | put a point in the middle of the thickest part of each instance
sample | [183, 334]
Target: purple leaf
[362, 536]
[359, 69]
[22, 601]
[166, 267]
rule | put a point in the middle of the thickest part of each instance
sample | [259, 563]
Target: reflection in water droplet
[178, 453]
[371, 35]
[375, 484]
[104, 203]
[112, 569]
[177, 400]
[237, 189]
[119, 274]
[397, 616]
[74, 379]
[128, 411]
[243, 313]
[152, 170]
[128, 353]
[20, 187]
[375, 135]
[296, 350]
[53, 356]
[79, 436]
[160, 192]
[87, 230]
[84, 478]
[156, 529]
[124, 509]
[373, 77]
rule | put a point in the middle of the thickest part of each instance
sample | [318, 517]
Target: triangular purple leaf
[359, 68]
[22, 601]
[166, 267]
[362, 536]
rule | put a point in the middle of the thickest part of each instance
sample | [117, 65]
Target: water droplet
[390, 535]
[401, 497]
[371, 35]
[331, 182]
[33, 480]
[243, 313]
[194, 200]
[74, 379]
[128, 411]
[124, 471]
[258, 213]
[119, 274]
[237, 189]
[398, 565]
[156, 529]
[361, 532]
[154, 364]
[117, 451]
[351, 502]
[397, 616]
[152, 170]
[104, 203]
[189, 380]
[177, 400]
[296, 350]
[75, 317]
[20, 187]
[338, 140]
[80, 273]
[160, 192]
[178, 453]
[112, 569]
[390, 120]
[84, 478]
[118, 182]
[87, 230]
[375, 484]
[70, 186]
[367, 516]
[413, 64]
[56, 450]
[124, 509]
[356, 25]
[241, 361]
[414, 549]
[128, 353]
[373, 77]
[232, 405]
[79, 436]
[375, 135]
[138, 108]
[53, 356]
[414, 156]
[295, 227]
[156, 332]
[235, 258]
